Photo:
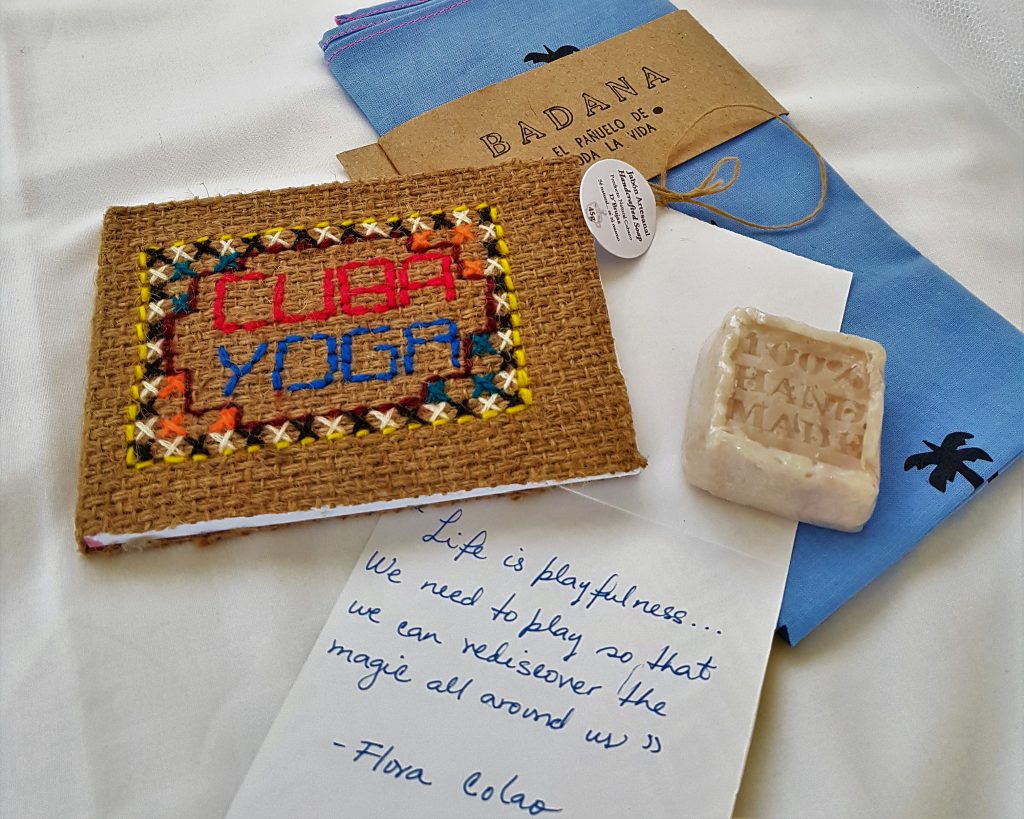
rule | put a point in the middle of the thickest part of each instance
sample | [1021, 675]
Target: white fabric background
[982, 40]
[143, 685]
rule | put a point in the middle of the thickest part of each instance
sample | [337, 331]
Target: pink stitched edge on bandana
[396, 27]
[345, 18]
[346, 33]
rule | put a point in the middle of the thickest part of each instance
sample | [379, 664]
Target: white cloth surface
[142, 685]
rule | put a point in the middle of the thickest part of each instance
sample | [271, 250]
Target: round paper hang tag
[618, 206]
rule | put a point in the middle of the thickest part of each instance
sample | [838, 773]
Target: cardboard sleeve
[629, 98]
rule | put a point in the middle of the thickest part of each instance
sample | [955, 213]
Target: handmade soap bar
[788, 418]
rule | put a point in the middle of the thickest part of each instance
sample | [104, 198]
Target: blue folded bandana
[954, 377]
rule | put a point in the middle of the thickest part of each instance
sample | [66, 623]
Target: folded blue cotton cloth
[955, 372]
[434, 51]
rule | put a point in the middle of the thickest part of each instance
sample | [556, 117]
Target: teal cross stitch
[436, 393]
[229, 261]
[482, 344]
[484, 383]
[182, 269]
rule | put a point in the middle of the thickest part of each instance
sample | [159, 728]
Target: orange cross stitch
[170, 427]
[472, 268]
[420, 241]
[175, 384]
[462, 234]
[228, 419]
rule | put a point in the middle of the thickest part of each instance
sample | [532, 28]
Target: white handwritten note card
[543, 655]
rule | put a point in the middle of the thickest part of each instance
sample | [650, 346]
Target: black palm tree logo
[549, 56]
[949, 459]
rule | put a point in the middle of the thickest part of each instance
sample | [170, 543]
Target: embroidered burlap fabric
[576, 423]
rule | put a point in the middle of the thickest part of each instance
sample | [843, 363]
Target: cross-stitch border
[155, 379]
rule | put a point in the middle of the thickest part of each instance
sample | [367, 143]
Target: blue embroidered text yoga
[954, 366]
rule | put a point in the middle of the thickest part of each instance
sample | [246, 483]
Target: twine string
[713, 183]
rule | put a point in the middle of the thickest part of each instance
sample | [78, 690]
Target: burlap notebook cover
[280, 356]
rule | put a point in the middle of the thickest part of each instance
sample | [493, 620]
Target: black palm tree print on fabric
[949, 460]
[549, 56]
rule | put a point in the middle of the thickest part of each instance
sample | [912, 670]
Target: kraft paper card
[288, 355]
[629, 98]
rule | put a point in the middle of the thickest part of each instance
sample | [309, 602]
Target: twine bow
[713, 183]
